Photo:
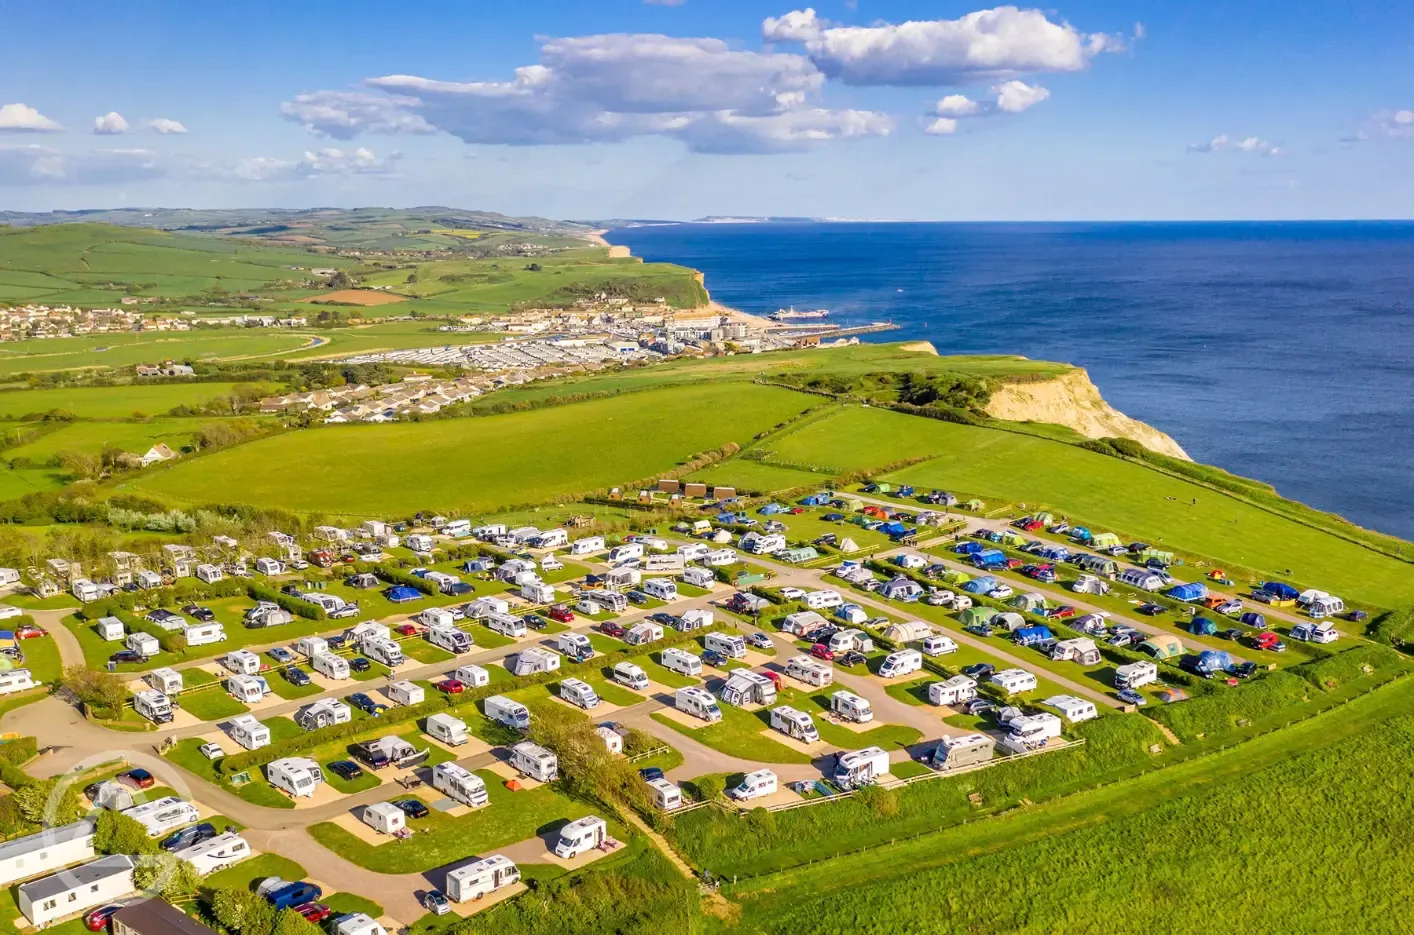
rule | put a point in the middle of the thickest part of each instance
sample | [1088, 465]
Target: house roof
[155, 917]
[45, 839]
[92, 872]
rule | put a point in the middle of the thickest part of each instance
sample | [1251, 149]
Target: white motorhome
[216, 853]
[384, 817]
[632, 676]
[446, 728]
[247, 731]
[959, 752]
[16, 680]
[405, 692]
[481, 879]
[535, 761]
[299, 776]
[1136, 674]
[242, 662]
[1014, 681]
[153, 705]
[811, 671]
[459, 784]
[901, 663]
[698, 702]
[755, 785]
[731, 645]
[506, 625]
[472, 676]
[939, 645]
[580, 836]
[850, 707]
[666, 795]
[384, 651]
[310, 646]
[860, 767]
[163, 814]
[325, 713]
[794, 723]
[954, 691]
[330, 666]
[204, 634]
[1073, 709]
[579, 693]
[681, 661]
[1031, 732]
[503, 710]
[574, 645]
[449, 637]
[698, 577]
[420, 542]
[166, 680]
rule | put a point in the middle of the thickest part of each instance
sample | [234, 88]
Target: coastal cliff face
[1073, 401]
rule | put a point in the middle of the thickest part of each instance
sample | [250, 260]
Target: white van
[794, 723]
[631, 676]
[681, 661]
[860, 767]
[535, 761]
[731, 645]
[939, 645]
[903, 662]
[755, 785]
[580, 836]
[850, 707]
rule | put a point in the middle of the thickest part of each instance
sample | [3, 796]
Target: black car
[291, 589]
[535, 621]
[370, 756]
[1232, 633]
[296, 676]
[650, 773]
[360, 664]
[366, 704]
[346, 770]
[197, 612]
[665, 619]
[336, 642]
[189, 837]
[979, 670]
[1150, 610]
[852, 658]
[1245, 670]
[413, 808]
[714, 658]
[127, 655]
[637, 597]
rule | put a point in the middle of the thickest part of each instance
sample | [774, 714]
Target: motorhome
[166, 680]
[297, 775]
[1136, 674]
[1031, 732]
[745, 687]
[420, 542]
[163, 814]
[153, 705]
[447, 636]
[794, 723]
[954, 691]
[535, 660]
[16, 680]
[204, 634]
[459, 784]
[472, 676]
[731, 645]
[860, 767]
[579, 693]
[681, 661]
[632, 676]
[330, 666]
[457, 529]
[939, 645]
[535, 761]
[213, 854]
[574, 645]
[755, 785]
[384, 817]
[324, 713]
[666, 796]
[958, 752]
[698, 702]
[1014, 681]
[850, 707]
[406, 692]
[901, 663]
[1073, 709]
[242, 662]
[384, 651]
[811, 671]
[580, 836]
[247, 689]
[247, 731]
[503, 710]
[481, 878]
[506, 625]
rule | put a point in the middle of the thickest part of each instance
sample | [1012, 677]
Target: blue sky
[624, 108]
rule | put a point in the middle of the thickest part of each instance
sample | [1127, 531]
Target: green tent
[974, 505]
[1044, 518]
[973, 615]
[956, 577]
[1028, 602]
[1104, 540]
[1013, 538]
[1162, 646]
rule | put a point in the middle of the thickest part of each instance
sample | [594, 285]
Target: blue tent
[401, 594]
[980, 585]
[989, 558]
[893, 529]
[1054, 553]
[815, 499]
[1081, 534]
[968, 548]
[906, 490]
[1253, 620]
[770, 509]
[1214, 660]
[903, 533]
[1029, 636]
[1202, 627]
[1193, 591]
[1282, 592]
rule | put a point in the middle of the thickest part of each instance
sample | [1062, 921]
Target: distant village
[28, 322]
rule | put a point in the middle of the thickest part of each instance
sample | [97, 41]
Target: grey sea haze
[1280, 351]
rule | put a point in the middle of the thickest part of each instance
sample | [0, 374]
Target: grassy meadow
[127, 350]
[91, 437]
[116, 402]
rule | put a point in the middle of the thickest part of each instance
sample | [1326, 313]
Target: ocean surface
[1280, 351]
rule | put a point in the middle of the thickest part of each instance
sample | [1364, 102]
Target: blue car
[294, 894]
[366, 704]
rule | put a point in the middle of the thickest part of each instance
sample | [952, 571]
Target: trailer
[472, 676]
[901, 663]
[574, 645]
[794, 723]
[459, 784]
[247, 689]
[535, 660]
[503, 710]
[406, 692]
[959, 752]
[850, 707]
[697, 702]
[384, 817]
[153, 705]
[311, 646]
[666, 795]
[745, 687]
[481, 879]
[166, 680]
[446, 635]
[330, 666]
[297, 775]
[535, 761]
[242, 662]
[954, 691]
[247, 731]
[860, 767]
[632, 676]
[163, 814]
[811, 671]
[579, 693]
[731, 645]
[506, 625]
[681, 661]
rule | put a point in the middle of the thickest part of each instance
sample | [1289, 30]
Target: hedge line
[296, 606]
[161, 597]
[1393, 627]
[397, 576]
[20, 750]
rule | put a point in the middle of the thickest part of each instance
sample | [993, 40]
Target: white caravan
[794, 723]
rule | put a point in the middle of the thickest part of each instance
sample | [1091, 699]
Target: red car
[1014, 563]
[407, 629]
[29, 633]
[561, 613]
[137, 779]
[1063, 612]
[451, 687]
[1033, 526]
[608, 628]
[97, 920]
[314, 912]
[796, 511]
[821, 651]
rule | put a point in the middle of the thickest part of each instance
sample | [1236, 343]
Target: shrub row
[20, 750]
[296, 606]
[186, 592]
[1394, 627]
[394, 575]
[1222, 711]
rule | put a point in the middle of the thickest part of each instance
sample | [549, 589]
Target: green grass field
[115, 402]
[91, 437]
[479, 464]
[127, 350]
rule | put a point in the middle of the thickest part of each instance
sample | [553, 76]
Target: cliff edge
[1073, 401]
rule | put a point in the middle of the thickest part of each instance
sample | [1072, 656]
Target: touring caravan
[145, 644]
[247, 689]
[242, 662]
[325, 713]
[503, 710]
[697, 618]
[166, 680]
[579, 693]
[384, 817]
[681, 661]
[247, 731]
[641, 633]
[1031, 732]
[1136, 675]
[216, 853]
[755, 785]
[794, 723]
[860, 767]
[297, 775]
[535, 761]
[580, 836]
[482, 878]
[459, 784]
[812, 672]
[1014, 681]
[163, 814]
[731, 645]
[330, 666]
[535, 660]
[631, 676]
[666, 795]
[406, 692]
[109, 629]
[204, 634]
[699, 703]
[506, 625]
[1073, 709]
[153, 705]
[959, 752]
[446, 728]
[850, 707]
[954, 691]
[472, 676]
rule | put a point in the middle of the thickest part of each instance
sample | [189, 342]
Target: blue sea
[1279, 351]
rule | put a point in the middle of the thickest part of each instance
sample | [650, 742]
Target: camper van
[666, 796]
[459, 784]
[958, 752]
[681, 661]
[480, 879]
[384, 651]
[580, 836]
[154, 706]
[860, 768]
[699, 703]
[535, 761]
[506, 625]
[311, 646]
[1031, 732]
[850, 707]
[794, 723]
[1136, 675]
[574, 645]
[503, 710]
[472, 676]
[165, 680]
[579, 693]
[903, 662]
[446, 728]
[755, 786]
[330, 666]
[731, 645]
[384, 817]
[939, 645]
[631, 676]
[405, 692]
[955, 691]
[447, 636]
[812, 672]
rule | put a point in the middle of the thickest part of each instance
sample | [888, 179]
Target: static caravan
[77, 890]
[472, 676]
[1014, 681]
[731, 645]
[580, 836]
[447, 636]
[109, 629]
[744, 687]
[152, 704]
[958, 752]
[860, 767]
[1073, 709]
[579, 693]
[164, 814]
[698, 702]
[954, 691]
[325, 713]
[632, 676]
[794, 723]
[144, 644]
[16, 680]
[405, 692]
[216, 853]
[1136, 674]
[204, 634]
[242, 662]
[535, 761]
[384, 817]
[1031, 732]
[330, 666]
[446, 728]
[480, 879]
[535, 660]
[503, 710]
[811, 671]
[385, 651]
[851, 707]
[46, 850]
[666, 796]
[247, 731]
[459, 784]
[681, 661]
[247, 689]
[9, 576]
[903, 662]
[755, 785]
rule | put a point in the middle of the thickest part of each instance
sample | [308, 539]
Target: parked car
[197, 612]
[346, 770]
[760, 640]
[366, 704]
[609, 628]
[1130, 696]
[979, 629]
[1001, 592]
[406, 629]
[822, 651]
[650, 773]
[97, 920]
[336, 642]
[1063, 612]
[188, 837]
[714, 658]
[370, 756]
[535, 621]
[977, 706]
[979, 670]
[212, 751]
[314, 913]
[28, 632]
[294, 894]
[451, 687]
[296, 676]
[561, 614]
[137, 778]
[434, 902]
[127, 655]
[1231, 633]
[637, 597]
[413, 808]
[359, 664]
[1151, 609]
[853, 658]
[280, 654]
[1245, 670]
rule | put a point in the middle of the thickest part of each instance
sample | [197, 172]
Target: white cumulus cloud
[795, 26]
[957, 105]
[42, 165]
[1226, 144]
[21, 118]
[110, 124]
[163, 125]
[942, 126]
[315, 163]
[1016, 96]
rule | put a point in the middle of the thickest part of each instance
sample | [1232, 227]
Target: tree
[116, 833]
[242, 911]
[711, 787]
[81, 464]
[97, 689]
[289, 922]
[33, 802]
[170, 877]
